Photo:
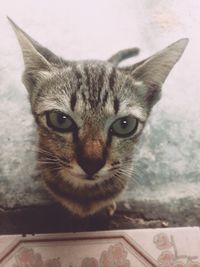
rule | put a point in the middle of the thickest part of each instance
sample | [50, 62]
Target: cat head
[90, 113]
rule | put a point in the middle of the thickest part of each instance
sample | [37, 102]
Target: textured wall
[168, 155]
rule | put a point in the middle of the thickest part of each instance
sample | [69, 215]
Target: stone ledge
[54, 218]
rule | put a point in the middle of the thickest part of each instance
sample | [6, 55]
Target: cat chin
[86, 210]
[87, 199]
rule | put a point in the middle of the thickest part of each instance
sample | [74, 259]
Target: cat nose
[91, 155]
[90, 165]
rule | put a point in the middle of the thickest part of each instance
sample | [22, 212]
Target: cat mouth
[80, 176]
[90, 177]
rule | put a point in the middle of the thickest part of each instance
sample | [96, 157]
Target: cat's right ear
[153, 71]
[38, 60]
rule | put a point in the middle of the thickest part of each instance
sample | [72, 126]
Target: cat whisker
[56, 163]
[45, 158]
[45, 152]
[114, 169]
[129, 173]
[55, 169]
[39, 149]
[47, 155]
[46, 162]
[126, 168]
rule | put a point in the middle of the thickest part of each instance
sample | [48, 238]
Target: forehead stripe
[116, 105]
[73, 100]
[112, 79]
[100, 83]
[105, 98]
[78, 77]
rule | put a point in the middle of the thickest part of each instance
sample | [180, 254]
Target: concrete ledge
[129, 215]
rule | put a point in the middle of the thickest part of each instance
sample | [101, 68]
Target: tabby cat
[89, 116]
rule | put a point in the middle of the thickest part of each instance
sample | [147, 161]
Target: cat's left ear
[153, 71]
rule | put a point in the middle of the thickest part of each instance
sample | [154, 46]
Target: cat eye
[59, 121]
[124, 127]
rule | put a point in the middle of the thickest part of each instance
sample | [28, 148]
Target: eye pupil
[124, 124]
[61, 118]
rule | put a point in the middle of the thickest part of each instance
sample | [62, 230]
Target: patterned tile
[175, 247]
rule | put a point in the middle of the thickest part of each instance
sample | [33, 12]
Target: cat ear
[153, 71]
[123, 54]
[33, 59]
[38, 60]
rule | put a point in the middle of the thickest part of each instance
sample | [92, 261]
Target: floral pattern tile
[178, 247]
[169, 254]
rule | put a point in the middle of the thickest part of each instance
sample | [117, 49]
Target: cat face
[89, 116]
[93, 114]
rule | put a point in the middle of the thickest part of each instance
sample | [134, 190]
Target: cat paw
[111, 209]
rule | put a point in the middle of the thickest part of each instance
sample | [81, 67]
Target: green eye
[124, 127]
[59, 121]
